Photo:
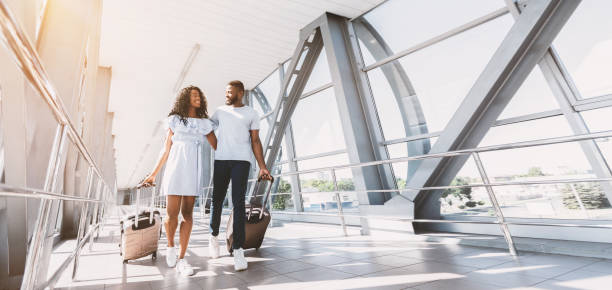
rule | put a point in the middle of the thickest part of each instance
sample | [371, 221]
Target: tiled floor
[312, 256]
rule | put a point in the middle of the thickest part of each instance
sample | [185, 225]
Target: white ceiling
[148, 42]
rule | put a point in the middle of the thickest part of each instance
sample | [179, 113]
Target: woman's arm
[212, 139]
[162, 158]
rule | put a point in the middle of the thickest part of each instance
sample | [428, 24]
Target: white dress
[182, 175]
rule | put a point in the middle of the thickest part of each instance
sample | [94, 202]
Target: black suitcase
[257, 219]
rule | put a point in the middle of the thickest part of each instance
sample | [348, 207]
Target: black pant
[238, 172]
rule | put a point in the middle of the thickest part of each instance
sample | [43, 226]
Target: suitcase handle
[138, 187]
[266, 196]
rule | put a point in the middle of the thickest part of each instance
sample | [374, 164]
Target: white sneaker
[240, 263]
[184, 268]
[171, 256]
[213, 246]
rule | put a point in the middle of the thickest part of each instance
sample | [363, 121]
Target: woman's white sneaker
[240, 263]
[213, 247]
[171, 256]
[184, 268]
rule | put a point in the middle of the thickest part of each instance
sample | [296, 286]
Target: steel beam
[357, 133]
[307, 51]
[523, 47]
[565, 92]
[294, 180]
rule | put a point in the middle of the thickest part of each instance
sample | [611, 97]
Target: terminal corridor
[337, 144]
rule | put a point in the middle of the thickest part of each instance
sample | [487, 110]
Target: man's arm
[258, 151]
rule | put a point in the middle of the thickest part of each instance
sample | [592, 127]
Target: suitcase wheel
[154, 255]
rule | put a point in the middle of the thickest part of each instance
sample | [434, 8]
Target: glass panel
[466, 201]
[537, 163]
[338, 159]
[257, 106]
[281, 199]
[436, 80]
[526, 131]
[585, 47]
[599, 120]
[270, 87]
[421, 20]
[316, 124]
[533, 96]
[320, 74]
[559, 201]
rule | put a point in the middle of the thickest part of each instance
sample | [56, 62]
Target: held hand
[264, 174]
[149, 181]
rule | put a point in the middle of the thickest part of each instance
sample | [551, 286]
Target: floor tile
[325, 260]
[505, 279]
[360, 267]
[319, 274]
[393, 261]
[290, 266]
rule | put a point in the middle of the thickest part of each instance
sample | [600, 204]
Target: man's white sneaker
[184, 268]
[171, 256]
[213, 247]
[240, 263]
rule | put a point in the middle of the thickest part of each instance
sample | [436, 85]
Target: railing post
[94, 213]
[39, 234]
[340, 211]
[82, 220]
[498, 212]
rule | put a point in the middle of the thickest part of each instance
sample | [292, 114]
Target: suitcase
[140, 233]
[256, 222]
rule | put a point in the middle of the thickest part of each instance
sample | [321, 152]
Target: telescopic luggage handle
[138, 187]
[266, 195]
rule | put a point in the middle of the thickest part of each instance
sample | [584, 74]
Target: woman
[188, 124]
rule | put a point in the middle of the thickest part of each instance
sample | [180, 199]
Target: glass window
[533, 96]
[441, 76]
[316, 124]
[526, 131]
[599, 120]
[403, 24]
[320, 73]
[585, 47]
[584, 200]
[270, 87]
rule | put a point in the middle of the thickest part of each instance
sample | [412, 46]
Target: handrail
[12, 191]
[393, 218]
[508, 146]
[29, 62]
[474, 152]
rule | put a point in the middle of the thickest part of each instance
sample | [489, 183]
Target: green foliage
[533, 171]
[284, 186]
[280, 202]
[344, 184]
[464, 194]
[590, 193]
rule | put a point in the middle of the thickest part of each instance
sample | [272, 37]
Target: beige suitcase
[140, 234]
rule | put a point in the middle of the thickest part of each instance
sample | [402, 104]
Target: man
[238, 140]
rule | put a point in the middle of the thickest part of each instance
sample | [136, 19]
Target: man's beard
[230, 101]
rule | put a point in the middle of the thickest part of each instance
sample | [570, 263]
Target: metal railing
[97, 196]
[486, 183]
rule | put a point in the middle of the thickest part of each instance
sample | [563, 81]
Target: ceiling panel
[147, 43]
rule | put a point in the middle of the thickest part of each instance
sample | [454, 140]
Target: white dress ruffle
[182, 175]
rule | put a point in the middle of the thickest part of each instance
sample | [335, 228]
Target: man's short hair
[237, 84]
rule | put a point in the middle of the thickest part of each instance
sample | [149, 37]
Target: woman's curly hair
[183, 101]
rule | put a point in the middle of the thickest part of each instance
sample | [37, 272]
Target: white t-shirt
[233, 132]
